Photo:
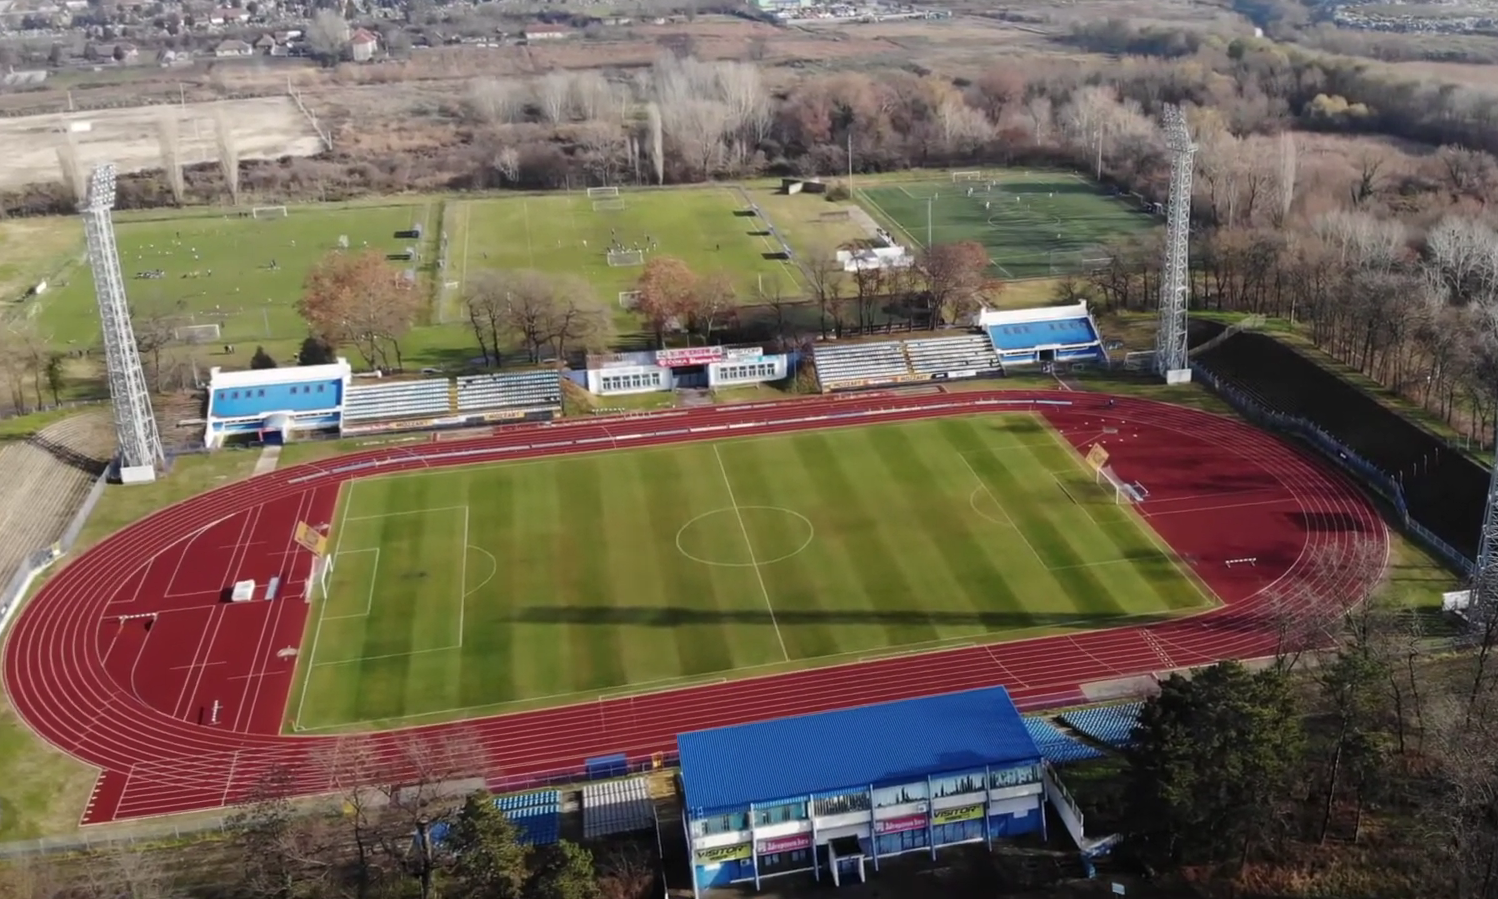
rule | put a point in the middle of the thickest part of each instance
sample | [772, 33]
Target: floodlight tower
[1484, 597]
[1171, 359]
[139, 443]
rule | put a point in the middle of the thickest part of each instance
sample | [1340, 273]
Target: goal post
[971, 175]
[595, 193]
[621, 258]
[268, 212]
[629, 299]
[197, 333]
[608, 205]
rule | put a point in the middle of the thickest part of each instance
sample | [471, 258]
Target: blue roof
[893, 742]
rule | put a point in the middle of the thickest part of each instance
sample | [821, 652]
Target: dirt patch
[263, 128]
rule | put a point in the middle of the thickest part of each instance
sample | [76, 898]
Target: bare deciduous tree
[655, 141]
[553, 95]
[170, 142]
[495, 100]
[228, 153]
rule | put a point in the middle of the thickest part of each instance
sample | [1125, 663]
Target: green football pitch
[566, 234]
[1033, 224]
[486, 589]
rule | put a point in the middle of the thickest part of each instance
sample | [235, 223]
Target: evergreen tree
[488, 861]
[563, 871]
[261, 359]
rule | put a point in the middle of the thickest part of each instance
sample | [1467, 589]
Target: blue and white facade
[743, 825]
[685, 367]
[1044, 335]
[276, 403]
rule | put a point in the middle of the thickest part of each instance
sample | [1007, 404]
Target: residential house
[232, 48]
[125, 53]
[265, 44]
[363, 44]
[229, 16]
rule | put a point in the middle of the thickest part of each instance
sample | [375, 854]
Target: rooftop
[218, 379]
[888, 743]
[1025, 316]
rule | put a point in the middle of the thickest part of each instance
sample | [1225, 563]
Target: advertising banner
[785, 844]
[742, 353]
[900, 825]
[720, 854]
[954, 815]
[692, 355]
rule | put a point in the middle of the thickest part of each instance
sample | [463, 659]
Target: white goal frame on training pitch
[613, 205]
[629, 299]
[973, 175]
[595, 193]
[1124, 493]
[197, 333]
[268, 212]
[625, 258]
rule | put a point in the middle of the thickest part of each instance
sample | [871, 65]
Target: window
[724, 823]
[319, 388]
[223, 395]
[236, 394]
[892, 843]
[999, 778]
[958, 832]
[837, 805]
[777, 814]
[260, 393]
[781, 862]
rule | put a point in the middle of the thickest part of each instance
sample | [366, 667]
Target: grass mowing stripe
[488, 655]
[586, 579]
[540, 545]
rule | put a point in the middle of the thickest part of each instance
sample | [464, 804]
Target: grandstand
[519, 391]
[617, 806]
[1110, 725]
[849, 366]
[952, 357]
[277, 403]
[1055, 746]
[536, 816]
[397, 400]
[1044, 335]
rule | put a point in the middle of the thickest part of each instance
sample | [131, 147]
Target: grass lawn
[32, 250]
[562, 233]
[581, 576]
[250, 301]
[1033, 224]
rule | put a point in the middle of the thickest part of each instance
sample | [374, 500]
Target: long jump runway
[124, 657]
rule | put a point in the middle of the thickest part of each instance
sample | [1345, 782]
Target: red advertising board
[900, 825]
[692, 355]
[785, 844]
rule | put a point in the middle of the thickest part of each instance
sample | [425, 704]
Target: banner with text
[720, 854]
[692, 355]
[900, 825]
[785, 844]
[955, 815]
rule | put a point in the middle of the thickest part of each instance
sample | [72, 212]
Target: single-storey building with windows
[833, 793]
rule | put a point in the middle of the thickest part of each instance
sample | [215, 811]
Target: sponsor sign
[692, 355]
[754, 352]
[785, 844]
[720, 854]
[900, 825]
[1097, 456]
[967, 373]
[960, 813]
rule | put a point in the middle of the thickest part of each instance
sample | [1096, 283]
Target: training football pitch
[1033, 224]
[495, 588]
[217, 268]
[565, 234]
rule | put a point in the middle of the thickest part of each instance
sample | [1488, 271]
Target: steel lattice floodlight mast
[1171, 359]
[139, 443]
[1484, 597]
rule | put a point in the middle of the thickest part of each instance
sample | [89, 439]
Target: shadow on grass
[682, 616]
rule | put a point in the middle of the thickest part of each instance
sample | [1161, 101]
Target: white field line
[749, 544]
[348, 500]
[1003, 511]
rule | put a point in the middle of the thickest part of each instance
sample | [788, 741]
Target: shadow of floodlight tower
[139, 454]
[1171, 359]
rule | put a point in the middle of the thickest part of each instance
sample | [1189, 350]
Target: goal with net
[608, 205]
[196, 333]
[1104, 475]
[595, 193]
[618, 258]
[629, 299]
[967, 176]
[268, 212]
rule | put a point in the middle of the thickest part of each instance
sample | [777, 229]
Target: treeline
[1358, 770]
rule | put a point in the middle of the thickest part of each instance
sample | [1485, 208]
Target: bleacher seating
[510, 390]
[536, 816]
[47, 477]
[1070, 332]
[400, 399]
[617, 806]
[935, 355]
[1112, 725]
[1055, 746]
[884, 361]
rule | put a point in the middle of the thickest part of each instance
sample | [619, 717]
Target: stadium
[834, 618]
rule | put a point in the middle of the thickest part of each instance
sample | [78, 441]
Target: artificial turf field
[1035, 224]
[479, 590]
[563, 233]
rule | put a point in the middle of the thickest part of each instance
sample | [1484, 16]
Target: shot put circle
[792, 537]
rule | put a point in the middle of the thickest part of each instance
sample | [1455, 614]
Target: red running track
[132, 695]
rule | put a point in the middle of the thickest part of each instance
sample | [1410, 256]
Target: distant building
[265, 44]
[232, 48]
[363, 44]
[545, 33]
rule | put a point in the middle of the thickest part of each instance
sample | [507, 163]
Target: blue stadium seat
[1112, 725]
[536, 816]
[1056, 747]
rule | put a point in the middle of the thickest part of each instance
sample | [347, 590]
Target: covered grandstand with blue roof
[825, 793]
[1044, 335]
